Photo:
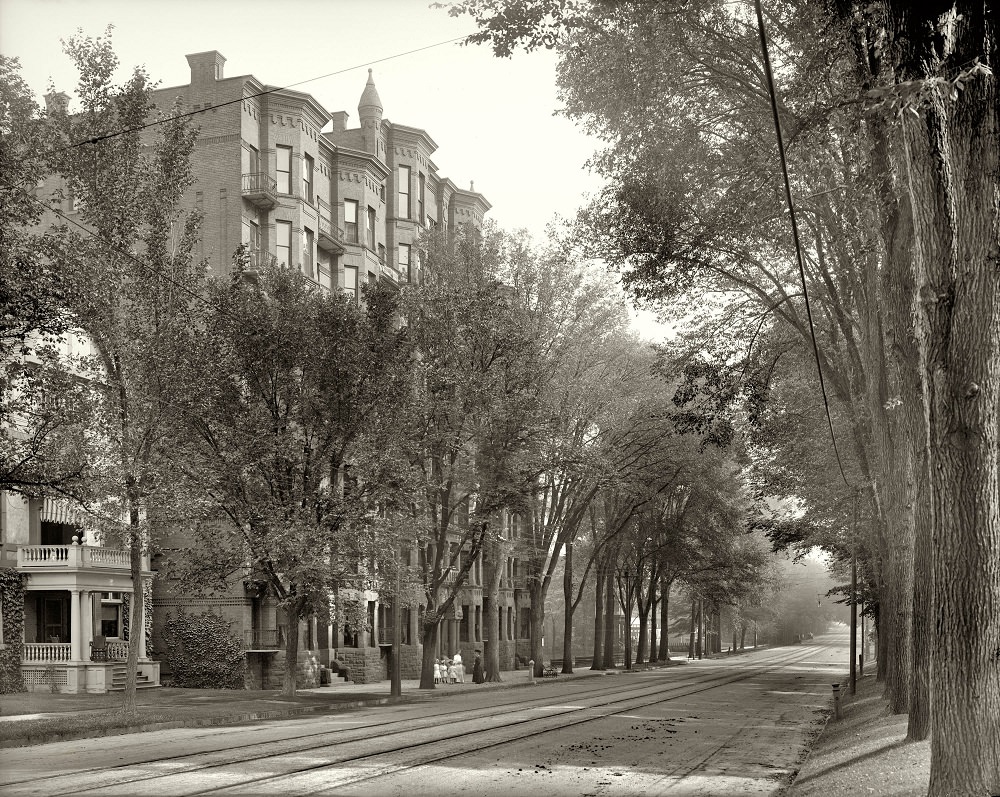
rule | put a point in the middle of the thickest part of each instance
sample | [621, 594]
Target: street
[723, 726]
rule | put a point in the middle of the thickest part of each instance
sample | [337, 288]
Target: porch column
[142, 620]
[87, 618]
[75, 624]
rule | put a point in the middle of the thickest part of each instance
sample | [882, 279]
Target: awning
[59, 510]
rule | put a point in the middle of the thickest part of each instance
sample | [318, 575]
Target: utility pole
[854, 623]
[854, 602]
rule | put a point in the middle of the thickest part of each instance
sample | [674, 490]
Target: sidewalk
[39, 717]
[864, 752]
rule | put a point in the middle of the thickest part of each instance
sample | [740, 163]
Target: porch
[77, 610]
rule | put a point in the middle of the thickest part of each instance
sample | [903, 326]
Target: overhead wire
[769, 74]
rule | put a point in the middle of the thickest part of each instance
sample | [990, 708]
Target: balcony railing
[72, 557]
[331, 239]
[261, 189]
[260, 258]
[262, 639]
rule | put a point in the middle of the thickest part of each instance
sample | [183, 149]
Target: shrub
[202, 652]
[12, 611]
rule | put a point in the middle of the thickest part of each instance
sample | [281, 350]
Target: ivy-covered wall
[12, 610]
[203, 653]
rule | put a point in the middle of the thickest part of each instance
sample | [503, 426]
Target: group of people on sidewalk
[451, 671]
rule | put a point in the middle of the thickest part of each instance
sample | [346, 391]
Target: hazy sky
[493, 119]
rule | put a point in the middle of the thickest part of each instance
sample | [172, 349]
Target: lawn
[76, 716]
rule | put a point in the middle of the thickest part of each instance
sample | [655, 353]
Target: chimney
[339, 121]
[56, 102]
[206, 67]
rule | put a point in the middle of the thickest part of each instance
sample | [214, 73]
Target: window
[307, 177]
[351, 287]
[251, 234]
[351, 221]
[251, 160]
[110, 617]
[404, 263]
[370, 229]
[404, 192]
[525, 624]
[421, 186]
[284, 242]
[308, 240]
[284, 169]
[381, 253]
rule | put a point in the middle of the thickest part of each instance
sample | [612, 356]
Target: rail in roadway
[316, 762]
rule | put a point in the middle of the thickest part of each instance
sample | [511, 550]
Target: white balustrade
[117, 650]
[44, 555]
[45, 651]
[73, 556]
[105, 557]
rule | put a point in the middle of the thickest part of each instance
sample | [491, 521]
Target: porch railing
[72, 556]
[45, 651]
[117, 650]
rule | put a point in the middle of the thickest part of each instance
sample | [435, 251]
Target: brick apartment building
[297, 185]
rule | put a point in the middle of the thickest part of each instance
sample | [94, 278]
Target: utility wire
[795, 228]
[137, 128]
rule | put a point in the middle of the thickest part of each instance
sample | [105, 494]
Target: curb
[199, 722]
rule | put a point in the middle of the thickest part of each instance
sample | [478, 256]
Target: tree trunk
[428, 638]
[537, 624]
[597, 663]
[567, 654]
[493, 567]
[288, 683]
[652, 630]
[743, 637]
[665, 620]
[692, 650]
[643, 611]
[918, 726]
[953, 169]
[136, 626]
[627, 627]
[609, 615]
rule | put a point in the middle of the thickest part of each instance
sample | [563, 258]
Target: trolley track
[305, 759]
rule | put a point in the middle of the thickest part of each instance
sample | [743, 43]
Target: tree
[294, 442]
[41, 439]
[934, 191]
[474, 406]
[939, 61]
[133, 289]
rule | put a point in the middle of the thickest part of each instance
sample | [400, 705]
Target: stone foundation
[366, 665]
[271, 673]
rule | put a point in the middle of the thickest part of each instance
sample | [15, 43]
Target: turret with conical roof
[370, 114]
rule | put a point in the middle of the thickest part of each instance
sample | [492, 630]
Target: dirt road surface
[738, 725]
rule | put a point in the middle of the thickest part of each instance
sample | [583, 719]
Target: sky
[493, 119]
